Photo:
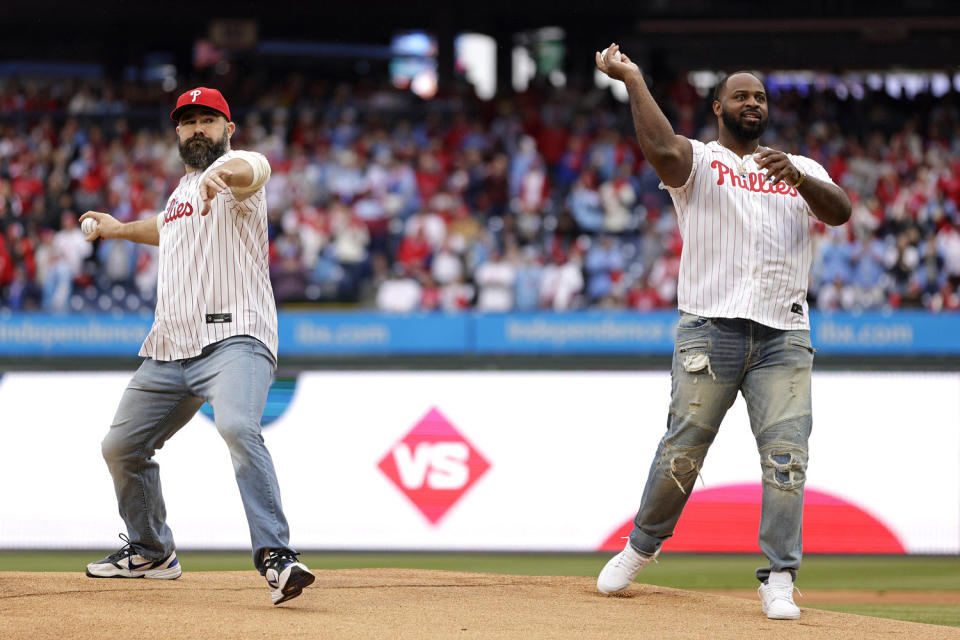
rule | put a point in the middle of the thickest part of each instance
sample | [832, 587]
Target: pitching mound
[399, 603]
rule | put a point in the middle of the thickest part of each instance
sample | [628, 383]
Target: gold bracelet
[800, 180]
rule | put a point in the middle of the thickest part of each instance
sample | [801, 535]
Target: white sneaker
[126, 563]
[622, 568]
[286, 575]
[776, 597]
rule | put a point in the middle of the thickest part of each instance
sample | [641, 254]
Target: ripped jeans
[713, 359]
[233, 375]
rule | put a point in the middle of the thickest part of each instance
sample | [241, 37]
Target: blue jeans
[234, 376]
[713, 359]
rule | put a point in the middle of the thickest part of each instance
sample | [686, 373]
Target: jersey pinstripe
[214, 272]
[746, 244]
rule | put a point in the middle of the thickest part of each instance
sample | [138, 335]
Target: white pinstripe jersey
[214, 273]
[746, 244]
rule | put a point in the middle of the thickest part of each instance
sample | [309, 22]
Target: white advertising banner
[538, 461]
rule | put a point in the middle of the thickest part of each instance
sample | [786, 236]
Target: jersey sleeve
[698, 149]
[261, 173]
[813, 169]
[246, 200]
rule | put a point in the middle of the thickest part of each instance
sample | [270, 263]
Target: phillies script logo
[433, 465]
[177, 210]
[752, 181]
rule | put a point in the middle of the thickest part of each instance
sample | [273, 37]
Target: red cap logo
[203, 97]
[433, 465]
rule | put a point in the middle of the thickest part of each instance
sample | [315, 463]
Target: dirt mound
[398, 603]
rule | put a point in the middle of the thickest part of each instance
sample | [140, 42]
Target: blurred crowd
[541, 200]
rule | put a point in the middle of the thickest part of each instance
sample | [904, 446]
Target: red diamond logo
[433, 465]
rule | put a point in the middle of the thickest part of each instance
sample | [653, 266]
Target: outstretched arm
[143, 231]
[671, 155]
[244, 175]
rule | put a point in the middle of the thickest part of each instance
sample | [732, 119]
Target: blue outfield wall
[44, 334]
[369, 333]
[575, 333]
[365, 333]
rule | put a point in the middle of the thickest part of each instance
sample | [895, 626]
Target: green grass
[682, 571]
[944, 614]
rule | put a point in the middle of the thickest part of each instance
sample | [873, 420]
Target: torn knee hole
[683, 466]
[784, 465]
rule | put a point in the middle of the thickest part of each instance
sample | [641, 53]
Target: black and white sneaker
[127, 563]
[286, 575]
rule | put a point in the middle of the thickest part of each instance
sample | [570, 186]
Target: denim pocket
[796, 341]
[694, 356]
[691, 321]
[698, 345]
[261, 349]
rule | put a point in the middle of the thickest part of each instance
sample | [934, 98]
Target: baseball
[614, 58]
[88, 226]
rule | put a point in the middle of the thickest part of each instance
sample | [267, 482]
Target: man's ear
[230, 129]
[717, 107]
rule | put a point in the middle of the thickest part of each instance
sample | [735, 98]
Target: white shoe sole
[157, 574]
[783, 616]
[296, 582]
[106, 570]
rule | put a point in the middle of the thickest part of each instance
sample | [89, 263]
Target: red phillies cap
[202, 97]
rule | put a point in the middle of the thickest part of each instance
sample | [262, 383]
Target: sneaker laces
[279, 558]
[125, 551]
[634, 562]
[782, 591]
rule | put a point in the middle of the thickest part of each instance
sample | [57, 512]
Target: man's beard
[200, 151]
[742, 130]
